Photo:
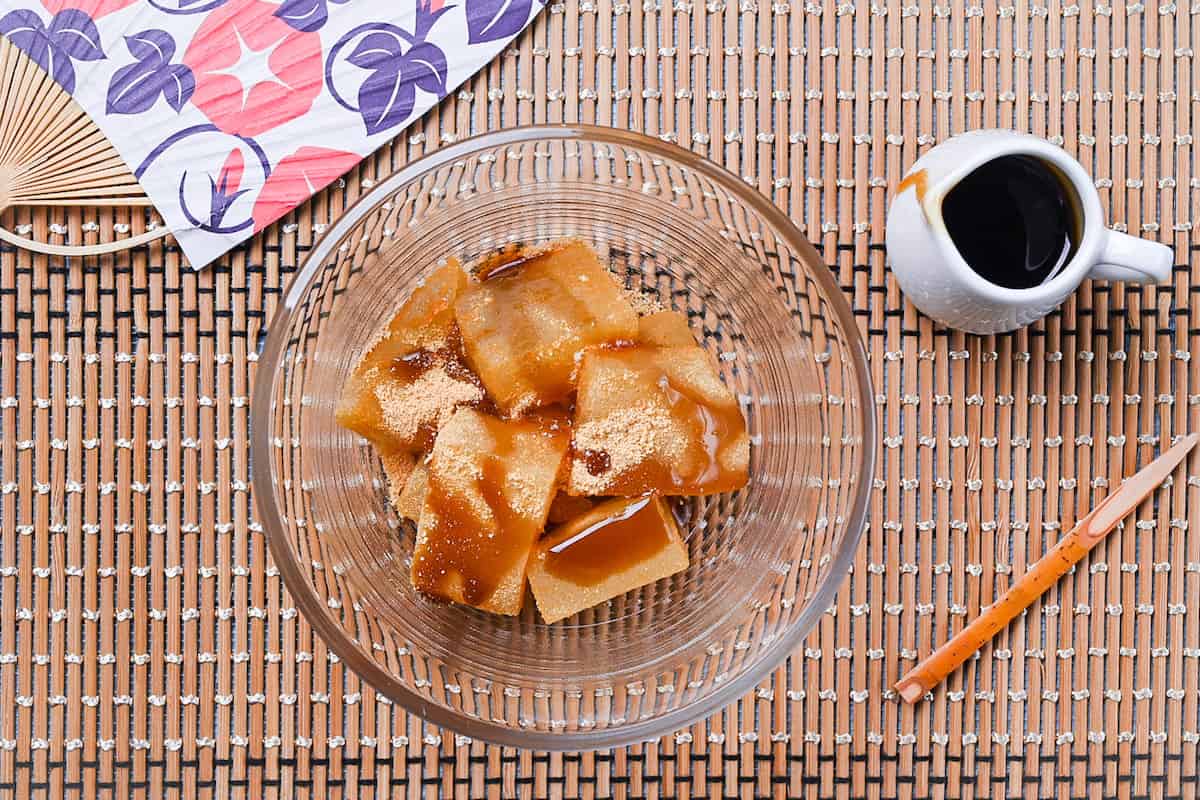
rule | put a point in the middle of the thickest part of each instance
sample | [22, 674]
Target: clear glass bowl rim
[313, 608]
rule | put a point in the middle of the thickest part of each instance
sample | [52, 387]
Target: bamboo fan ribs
[51, 153]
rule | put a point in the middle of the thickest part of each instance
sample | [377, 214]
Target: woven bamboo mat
[148, 649]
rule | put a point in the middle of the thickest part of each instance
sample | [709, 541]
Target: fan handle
[83, 249]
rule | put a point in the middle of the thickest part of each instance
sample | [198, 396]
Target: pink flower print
[253, 71]
[93, 8]
[296, 178]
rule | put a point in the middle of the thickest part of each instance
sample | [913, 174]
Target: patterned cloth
[232, 112]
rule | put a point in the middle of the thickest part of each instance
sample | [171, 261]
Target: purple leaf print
[305, 15]
[178, 85]
[186, 6]
[489, 20]
[425, 65]
[151, 45]
[398, 64]
[136, 87]
[74, 34]
[385, 99]
[133, 89]
[376, 50]
[24, 29]
[61, 69]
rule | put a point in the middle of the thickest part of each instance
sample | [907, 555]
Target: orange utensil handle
[1032, 585]
[1043, 574]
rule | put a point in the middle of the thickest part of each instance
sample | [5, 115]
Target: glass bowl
[765, 561]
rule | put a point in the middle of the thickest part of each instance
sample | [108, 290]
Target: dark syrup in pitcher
[1015, 221]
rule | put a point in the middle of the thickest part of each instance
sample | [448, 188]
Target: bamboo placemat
[147, 648]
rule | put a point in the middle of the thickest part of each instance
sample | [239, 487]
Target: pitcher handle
[1128, 258]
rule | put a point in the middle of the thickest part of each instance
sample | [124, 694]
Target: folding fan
[52, 154]
[228, 113]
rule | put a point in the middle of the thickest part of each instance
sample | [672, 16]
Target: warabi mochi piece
[489, 487]
[617, 546]
[399, 467]
[665, 329]
[656, 419]
[566, 507]
[428, 314]
[409, 497]
[414, 377]
[524, 326]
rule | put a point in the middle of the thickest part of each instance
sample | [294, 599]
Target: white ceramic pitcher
[939, 282]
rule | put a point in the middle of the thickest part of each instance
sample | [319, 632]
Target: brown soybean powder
[629, 437]
[427, 401]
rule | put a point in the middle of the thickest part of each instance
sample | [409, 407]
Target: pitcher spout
[937, 172]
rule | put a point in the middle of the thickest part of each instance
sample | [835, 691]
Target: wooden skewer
[1044, 574]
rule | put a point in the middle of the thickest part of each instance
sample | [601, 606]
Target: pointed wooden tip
[1135, 489]
[1157, 470]
[910, 690]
